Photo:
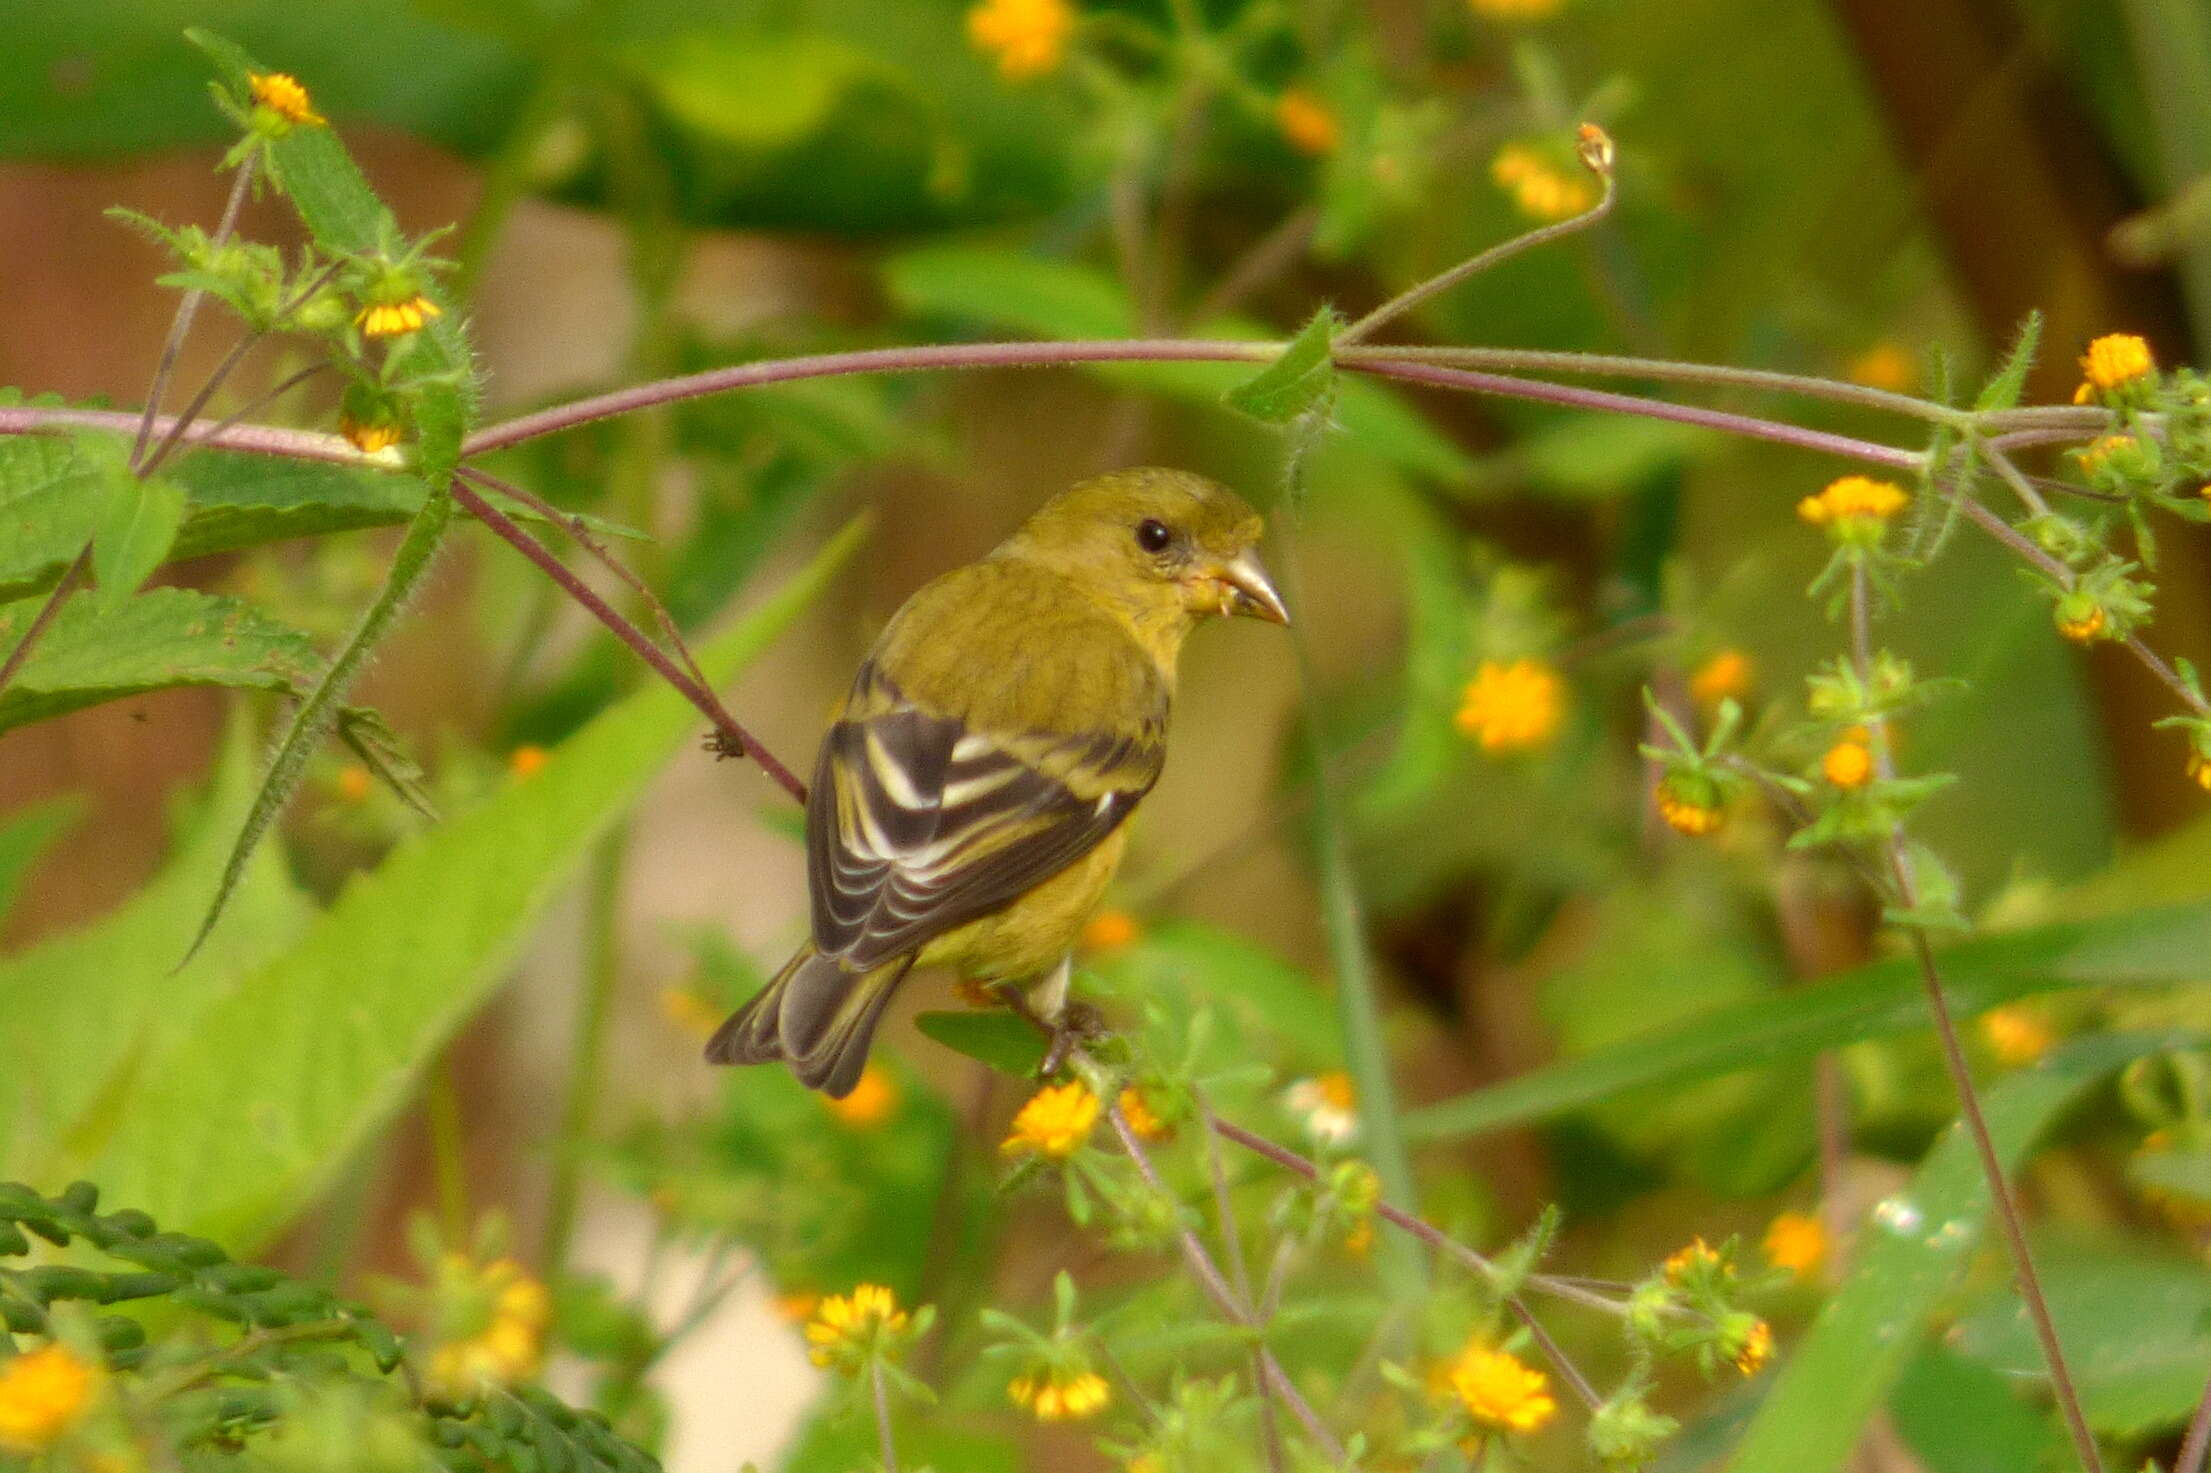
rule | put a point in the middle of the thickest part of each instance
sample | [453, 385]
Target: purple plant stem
[537, 552]
[1573, 396]
[872, 360]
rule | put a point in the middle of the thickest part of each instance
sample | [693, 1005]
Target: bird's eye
[1152, 535]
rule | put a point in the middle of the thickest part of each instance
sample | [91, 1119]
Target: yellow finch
[967, 804]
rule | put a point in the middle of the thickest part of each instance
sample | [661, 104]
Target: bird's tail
[817, 1015]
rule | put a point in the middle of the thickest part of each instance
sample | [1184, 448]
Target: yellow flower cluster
[2113, 362]
[1307, 123]
[1752, 1347]
[1853, 500]
[1849, 763]
[43, 1393]
[1027, 37]
[1689, 805]
[871, 1102]
[1055, 1395]
[1500, 1391]
[369, 436]
[1797, 1242]
[1110, 930]
[1512, 708]
[283, 96]
[2199, 769]
[1143, 1120]
[508, 1341]
[2016, 1035]
[1541, 188]
[1054, 1123]
[1726, 676]
[1697, 1258]
[397, 319]
[846, 1326]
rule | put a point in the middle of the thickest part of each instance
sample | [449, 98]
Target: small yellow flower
[2199, 769]
[2112, 363]
[2099, 452]
[1697, 1258]
[43, 1393]
[1055, 1122]
[283, 96]
[1754, 1349]
[2080, 624]
[1726, 676]
[1541, 188]
[1512, 708]
[1885, 365]
[871, 1102]
[1689, 802]
[1796, 1241]
[369, 436]
[354, 784]
[795, 1306]
[1028, 37]
[1307, 123]
[2017, 1035]
[397, 319]
[507, 1313]
[1501, 1391]
[1327, 1104]
[1054, 1395]
[1853, 500]
[1110, 930]
[1848, 763]
[846, 1327]
[1359, 1242]
[1144, 1463]
[526, 760]
[1516, 10]
[690, 1012]
[1144, 1122]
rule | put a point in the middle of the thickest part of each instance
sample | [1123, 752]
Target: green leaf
[2164, 945]
[994, 1037]
[49, 502]
[2003, 390]
[312, 721]
[1914, 1250]
[1960, 1417]
[83, 1006]
[24, 835]
[137, 527]
[1302, 380]
[1058, 299]
[235, 1122]
[164, 637]
[2134, 1318]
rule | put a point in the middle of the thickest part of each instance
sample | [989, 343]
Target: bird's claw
[1078, 1024]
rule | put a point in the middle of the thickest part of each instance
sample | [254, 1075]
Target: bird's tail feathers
[815, 1014]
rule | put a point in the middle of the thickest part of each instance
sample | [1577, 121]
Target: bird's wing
[919, 822]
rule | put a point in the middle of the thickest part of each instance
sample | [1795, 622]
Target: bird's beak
[1250, 591]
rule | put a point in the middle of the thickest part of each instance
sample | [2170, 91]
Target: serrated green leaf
[233, 1123]
[1914, 1250]
[49, 503]
[2148, 947]
[318, 712]
[994, 1037]
[2003, 390]
[137, 526]
[164, 637]
[1299, 382]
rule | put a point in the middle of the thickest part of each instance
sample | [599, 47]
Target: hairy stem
[732, 736]
[188, 307]
[881, 1397]
[2004, 1205]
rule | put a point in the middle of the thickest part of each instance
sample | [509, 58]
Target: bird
[969, 801]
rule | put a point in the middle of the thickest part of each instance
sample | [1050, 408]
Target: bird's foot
[1077, 1025]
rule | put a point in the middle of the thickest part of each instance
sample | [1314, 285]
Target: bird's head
[1165, 544]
